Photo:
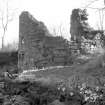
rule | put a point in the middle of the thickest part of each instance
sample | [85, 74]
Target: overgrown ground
[79, 84]
[92, 72]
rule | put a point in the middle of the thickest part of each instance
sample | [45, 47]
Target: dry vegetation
[79, 84]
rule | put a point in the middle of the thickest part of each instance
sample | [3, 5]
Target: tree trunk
[2, 43]
[3, 40]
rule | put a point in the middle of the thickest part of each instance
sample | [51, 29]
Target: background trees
[6, 16]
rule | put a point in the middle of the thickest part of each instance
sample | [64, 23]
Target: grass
[92, 72]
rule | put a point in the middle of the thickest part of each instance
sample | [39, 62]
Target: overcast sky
[53, 13]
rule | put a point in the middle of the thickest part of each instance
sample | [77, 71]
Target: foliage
[35, 93]
[78, 24]
[8, 62]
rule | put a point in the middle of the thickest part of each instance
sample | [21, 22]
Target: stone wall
[37, 47]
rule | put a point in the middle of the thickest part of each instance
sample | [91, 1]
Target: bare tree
[58, 31]
[5, 17]
[101, 18]
[54, 31]
[100, 11]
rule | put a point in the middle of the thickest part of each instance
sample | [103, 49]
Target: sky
[54, 13]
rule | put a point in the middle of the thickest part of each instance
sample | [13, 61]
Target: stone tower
[37, 48]
[31, 34]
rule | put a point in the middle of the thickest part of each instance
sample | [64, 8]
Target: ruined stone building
[37, 47]
[81, 32]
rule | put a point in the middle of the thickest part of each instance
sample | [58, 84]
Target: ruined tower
[37, 48]
[31, 34]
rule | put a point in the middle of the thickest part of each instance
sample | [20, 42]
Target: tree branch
[90, 3]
